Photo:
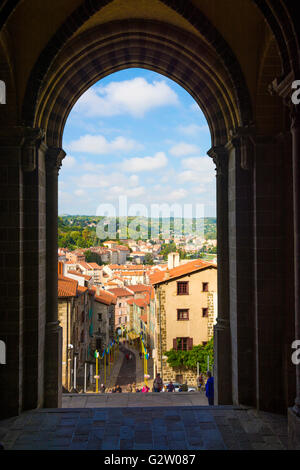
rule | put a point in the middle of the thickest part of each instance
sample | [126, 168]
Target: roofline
[184, 275]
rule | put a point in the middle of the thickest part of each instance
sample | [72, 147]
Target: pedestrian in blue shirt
[209, 389]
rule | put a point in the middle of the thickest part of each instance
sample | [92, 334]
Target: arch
[220, 55]
[118, 45]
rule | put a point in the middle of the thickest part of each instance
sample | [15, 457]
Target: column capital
[282, 87]
[54, 158]
[243, 139]
[28, 139]
[219, 154]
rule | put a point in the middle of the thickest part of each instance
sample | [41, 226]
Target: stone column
[17, 156]
[270, 306]
[34, 245]
[53, 348]
[295, 130]
[241, 279]
[294, 413]
[222, 341]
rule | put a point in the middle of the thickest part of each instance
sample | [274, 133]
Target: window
[205, 312]
[120, 320]
[204, 286]
[182, 288]
[179, 379]
[182, 314]
[120, 305]
[99, 316]
[183, 344]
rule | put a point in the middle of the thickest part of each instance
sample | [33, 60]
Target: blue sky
[138, 135]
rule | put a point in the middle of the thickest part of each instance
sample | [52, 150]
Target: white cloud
[116, 191]
[92, 167]
[98, 144]
[197, 170]
[135, 97]
[193, 129]
[145, 164]
[133, 180]
[92, 180]
[203, 164]
[176, 195]
[183, 149]
[69, 162]
[195, 107]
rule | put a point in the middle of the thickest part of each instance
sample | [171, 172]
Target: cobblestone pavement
[157, 428]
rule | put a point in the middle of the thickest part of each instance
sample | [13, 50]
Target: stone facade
[197, 327]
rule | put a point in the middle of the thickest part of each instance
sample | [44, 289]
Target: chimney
[173, 260]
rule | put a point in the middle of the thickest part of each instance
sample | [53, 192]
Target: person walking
[184, 387]
[209, 389]
[158, 384]
[170, 387]
[145, 389]
[200, 381]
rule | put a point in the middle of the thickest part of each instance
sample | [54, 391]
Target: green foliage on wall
[188, 359]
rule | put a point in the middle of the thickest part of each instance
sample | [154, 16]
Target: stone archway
[224, 99]
[253, 336]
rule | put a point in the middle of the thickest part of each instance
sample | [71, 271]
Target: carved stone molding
[27, 138]
[219, 155]
[32, 140]
[243, 139]
[54, 158]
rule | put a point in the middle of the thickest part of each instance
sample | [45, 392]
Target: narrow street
[127, 374]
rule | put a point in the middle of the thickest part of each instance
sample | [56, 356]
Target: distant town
[158, 294]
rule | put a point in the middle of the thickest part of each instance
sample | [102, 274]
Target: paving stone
[143, 446]
[126, 444]
[111, 444]
[145, 428]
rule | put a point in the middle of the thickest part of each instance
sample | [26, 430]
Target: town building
[186, 311]
[121, 313]
[103, 319]
[75, 304]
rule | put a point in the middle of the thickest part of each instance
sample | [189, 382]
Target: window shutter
[175, 344]
[190, 344]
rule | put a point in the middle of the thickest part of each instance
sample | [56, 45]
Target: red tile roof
[105, 297]
[120, 292]
[181, 270]
[76, 273]
[140, 288]
[82, 289]
[67, 287]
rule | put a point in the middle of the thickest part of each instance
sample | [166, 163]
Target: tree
[148, 259]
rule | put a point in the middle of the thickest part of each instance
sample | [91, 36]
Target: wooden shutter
[190, 344]
[175, 344]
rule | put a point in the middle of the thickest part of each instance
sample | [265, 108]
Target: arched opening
[251, 147]
[224, 99]
[136, 145]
